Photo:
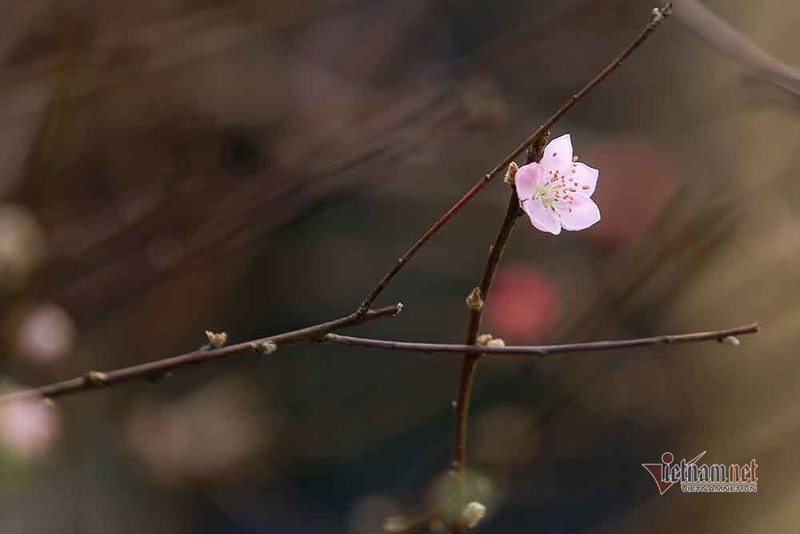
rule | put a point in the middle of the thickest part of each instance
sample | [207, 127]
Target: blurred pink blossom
[523, 305]
[28, 428]
[46, 333]
[555, 192]
[217, 433]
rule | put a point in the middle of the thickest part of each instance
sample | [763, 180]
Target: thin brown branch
[471, 357]
[659, 15]
[158, 369]
[542, 350]
[477, 305]
[534, 145]
[475, 318]
[429, 233]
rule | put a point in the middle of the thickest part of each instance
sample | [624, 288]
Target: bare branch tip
[660, 13]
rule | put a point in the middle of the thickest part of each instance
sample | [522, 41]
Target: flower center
[546, 196]
[555, 193]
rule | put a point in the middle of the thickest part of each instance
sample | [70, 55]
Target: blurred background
[172, 166]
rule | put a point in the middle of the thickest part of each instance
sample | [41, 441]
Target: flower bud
[216, 339]
[484, 339]
[731, 340]
[267, 347]
[511, 172]
[474, 300]
[96, 378]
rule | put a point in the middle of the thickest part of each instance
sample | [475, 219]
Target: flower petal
[586, 177]
[558, 155]
[527, 178]
[579, 215]
[542, 218]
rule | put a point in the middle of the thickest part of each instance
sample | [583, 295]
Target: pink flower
[524, 304]
[28, 427]
[555, 192]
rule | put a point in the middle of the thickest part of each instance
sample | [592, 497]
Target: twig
[659, 15]
[471, 357]
[541, 350]
[475, 318]
[724, 335]
[429, 233]
[158, 369]
[477, 305]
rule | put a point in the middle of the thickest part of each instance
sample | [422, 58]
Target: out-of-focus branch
[659, 15]
[706, 25]
[542, 350]
[158, 369]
